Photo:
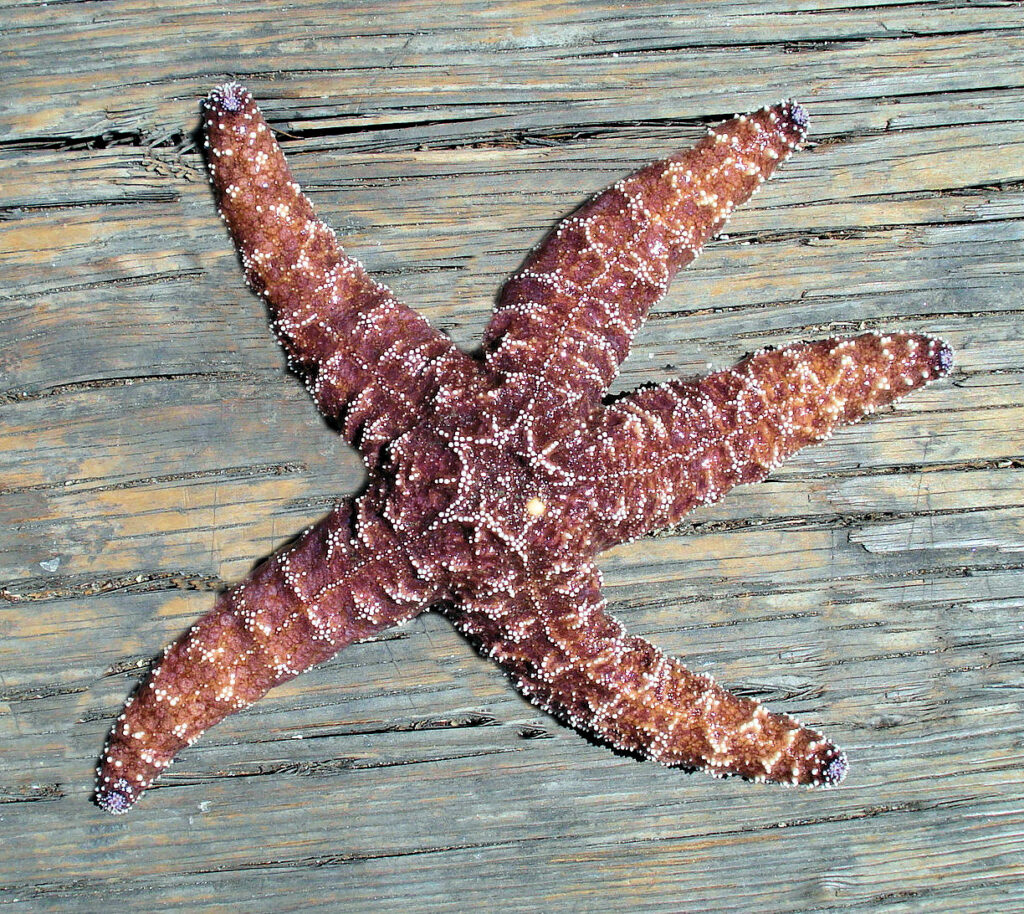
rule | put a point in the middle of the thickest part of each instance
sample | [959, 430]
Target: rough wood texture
[152, 447]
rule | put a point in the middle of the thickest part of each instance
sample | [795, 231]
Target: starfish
[494, 482]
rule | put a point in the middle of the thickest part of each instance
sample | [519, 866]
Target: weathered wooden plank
[152, 447]
[394, 66]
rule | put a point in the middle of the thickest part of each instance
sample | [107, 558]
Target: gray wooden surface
[153, 446]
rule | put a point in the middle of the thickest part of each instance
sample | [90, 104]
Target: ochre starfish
[494, 483]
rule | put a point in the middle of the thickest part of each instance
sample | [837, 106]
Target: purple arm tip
[836, 770]
[116, 798]
[229, 97]
[799, 115]
[944, 357]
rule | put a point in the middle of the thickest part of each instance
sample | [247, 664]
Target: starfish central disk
[495, 482]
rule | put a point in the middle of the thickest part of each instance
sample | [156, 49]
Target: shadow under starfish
[494, 483]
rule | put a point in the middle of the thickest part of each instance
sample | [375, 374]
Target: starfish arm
[671, 448]
[344, 580]
[574, 660]
[569, 315]
[366, 357]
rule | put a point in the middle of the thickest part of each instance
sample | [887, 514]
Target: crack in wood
[820, 521]
[328, 767]
[25, 395]
[50, 589]
[32, 793]
[140, 280]
[252, 471]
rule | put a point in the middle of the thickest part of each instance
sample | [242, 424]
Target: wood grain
[153, 446]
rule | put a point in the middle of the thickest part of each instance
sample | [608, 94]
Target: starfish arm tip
[115, 797]
[834, 773]
[943, 357]
[797, 113]
[229, 97]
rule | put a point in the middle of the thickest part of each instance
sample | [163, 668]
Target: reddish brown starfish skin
[493, 485]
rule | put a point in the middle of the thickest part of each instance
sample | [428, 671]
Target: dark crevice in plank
[830, 521]
[340, 130]
[108, 139]
[47, 590]
[883, 656]
[326, 860]
[958, 380]
[144, 199]
[763, 619]
[142, 279]
[78, 486]
[60, 390]
[938, 95]
[845, 42]
[1009, 185]
[896, 469]
[458, 263]
[455, 721]
[324, 768]
[892, 128]
[814, 235]
[44, 691]
[325, 502]
[837, 326]
[33, 793]
[532, 732]
[933, 573]
[777, 694]
[864, 324]
[901, 469]
[445, 722]
[128, 665]
[830, 8]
